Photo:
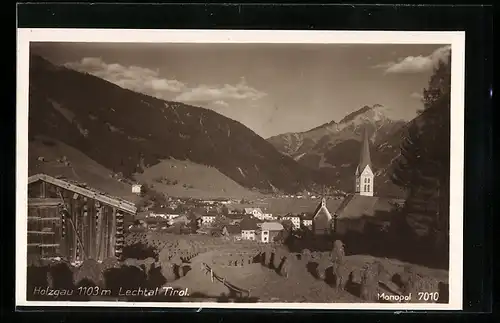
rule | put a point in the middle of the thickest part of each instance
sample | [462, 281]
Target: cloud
[416, 96]
[150, 82]
[221, 103]
[416, 64]
[240, 91]
[134, 78]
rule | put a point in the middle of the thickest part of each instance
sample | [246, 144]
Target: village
[237, 243]
[262, 220]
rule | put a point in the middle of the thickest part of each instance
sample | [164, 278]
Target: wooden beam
[99, 231]
[85, 229]
[123, 205]
[41, 232]
[43, 190]
[105, 232]
[112, 233]
[44, 202]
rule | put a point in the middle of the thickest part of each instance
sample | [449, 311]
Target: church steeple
[365, 159]
[364, 174]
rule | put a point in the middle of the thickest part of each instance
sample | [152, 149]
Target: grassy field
[154, 260]
[81, 168]
[193, 180]
[265, 283]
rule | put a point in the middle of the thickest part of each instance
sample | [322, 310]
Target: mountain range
[129, 132]
[334, 147]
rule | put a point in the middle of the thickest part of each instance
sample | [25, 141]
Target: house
[307, 220]
[231, 230]
[269, 230]
[295, 219]
[269, 217]
[208, 219]
[162, 212]
[322, 219]
[181, 219]
[248, 228]
[360, 210]
[74, 222]
[255, 211]
[235, 218]
[137, 189]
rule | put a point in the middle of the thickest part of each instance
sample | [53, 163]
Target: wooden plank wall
[99, 228]
[44, 231]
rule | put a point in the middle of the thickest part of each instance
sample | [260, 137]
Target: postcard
[240, 169]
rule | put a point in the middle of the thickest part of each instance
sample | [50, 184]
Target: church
[356, 206]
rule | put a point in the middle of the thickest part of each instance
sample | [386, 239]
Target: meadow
[217, 270]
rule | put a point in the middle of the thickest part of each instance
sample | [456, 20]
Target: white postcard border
[456, 39]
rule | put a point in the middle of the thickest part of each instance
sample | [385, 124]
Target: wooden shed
[72, 221]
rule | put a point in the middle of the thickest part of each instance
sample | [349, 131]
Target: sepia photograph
[245, 169]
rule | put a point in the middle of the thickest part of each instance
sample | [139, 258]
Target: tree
[220, 222]
[424, 162]
[194, 224]
[285, 235]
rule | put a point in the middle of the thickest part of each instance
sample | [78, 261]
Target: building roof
[235, 216]
[162, 210]
[249, 224]
[307, 216]
[251, 209]
[233, 229]
[290, 215]
[365, 159]
[322, 210]
[209, 215]
[272, 226]
[180, 218]
[357, 206]
[117, 202]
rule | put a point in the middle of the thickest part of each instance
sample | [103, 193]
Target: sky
[270, 88]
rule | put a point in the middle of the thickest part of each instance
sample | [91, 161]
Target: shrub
[342, 272]
[109, 263]
[383, 273]
[408, 278]
[338, 252]
[148, 264]
[306, 255]
[414, 282]
[37, 276]
[277, 258]
[267, 258]
[90, 272]
[132, 262]
[61, 275]
[176, 259]
[164, 255]
[369, 282]
[168, 271]
[35, 261]
[285, 268]
[423, 283]
[323, 264]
